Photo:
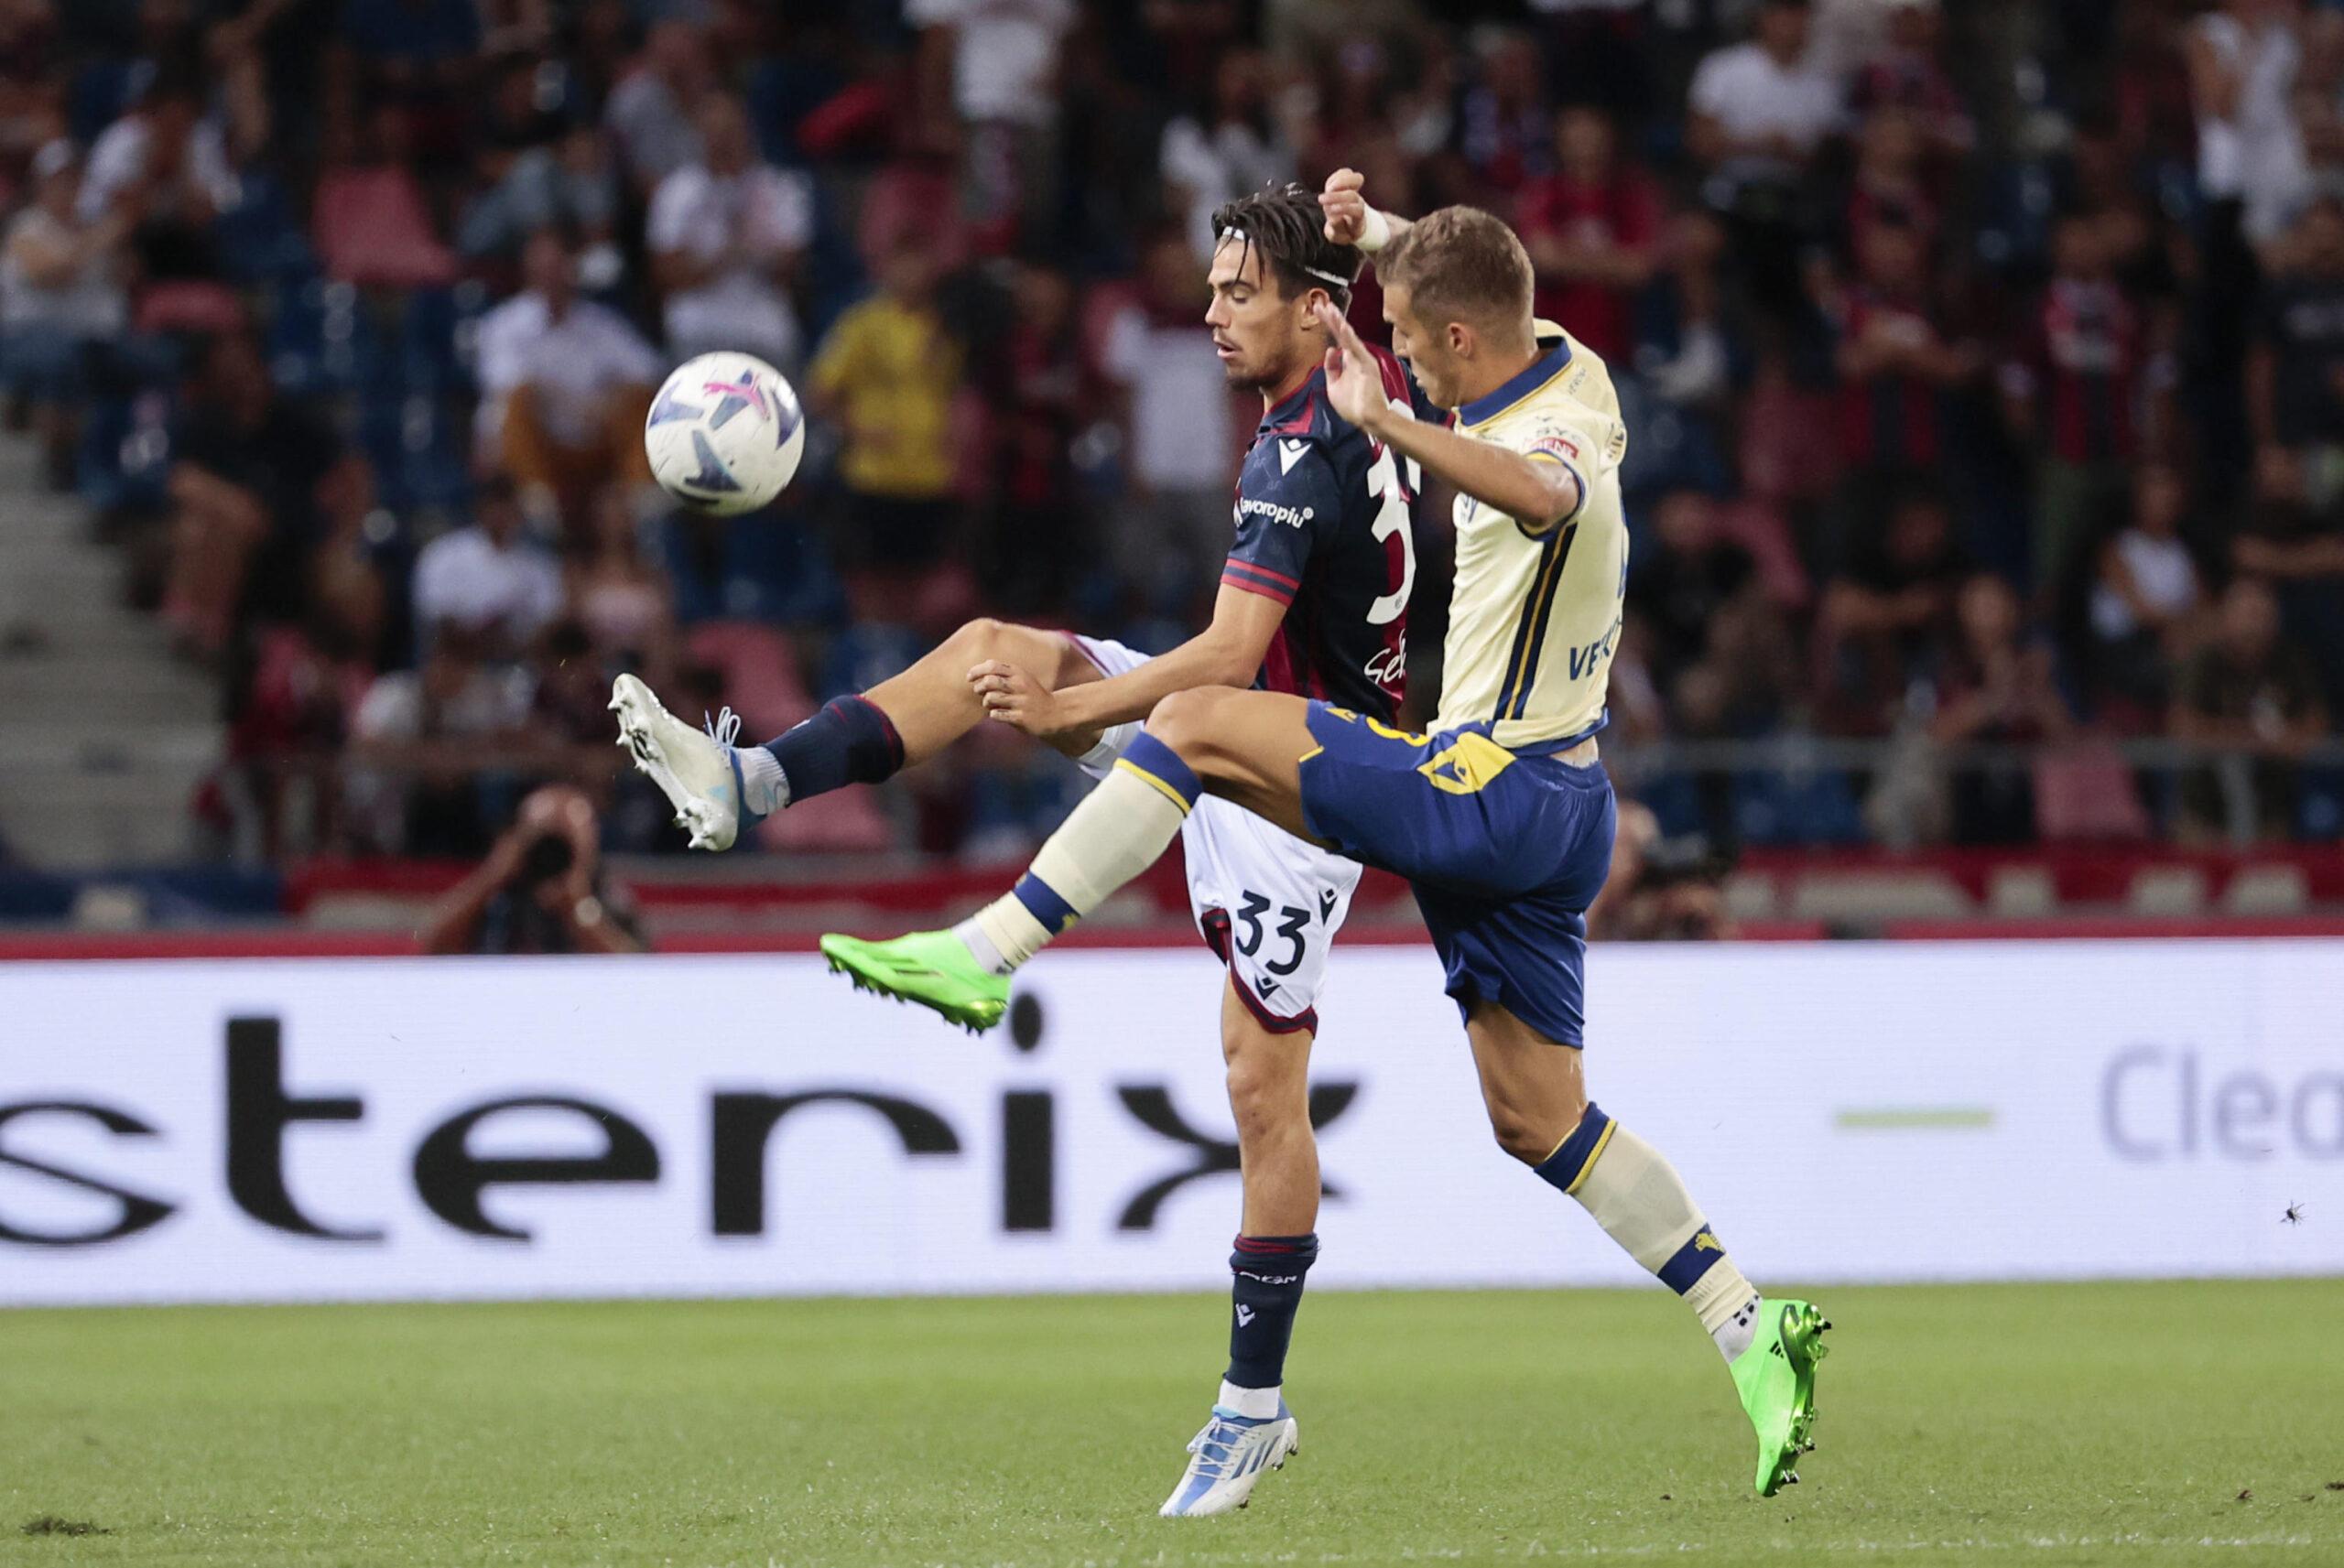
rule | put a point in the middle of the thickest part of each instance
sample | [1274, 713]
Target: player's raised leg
[718, 789]
[1251, 1431]
[1538, 1106]
[1244, 746]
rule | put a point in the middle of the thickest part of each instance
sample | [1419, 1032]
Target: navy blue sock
[1266, 1289]
[848, 741]
[1575, 1156]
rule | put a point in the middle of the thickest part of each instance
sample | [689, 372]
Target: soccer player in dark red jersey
[1313, 600]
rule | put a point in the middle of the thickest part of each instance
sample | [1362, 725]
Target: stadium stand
[1986, 370]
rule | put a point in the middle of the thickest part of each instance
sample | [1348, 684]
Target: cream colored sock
[1638, 1198]
[1117, 832]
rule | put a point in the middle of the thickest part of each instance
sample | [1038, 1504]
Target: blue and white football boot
[1228, 1458]
[698, 770]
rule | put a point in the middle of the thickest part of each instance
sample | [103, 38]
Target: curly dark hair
[1284, 224]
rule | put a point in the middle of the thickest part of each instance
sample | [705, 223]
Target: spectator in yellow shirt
[887, 373]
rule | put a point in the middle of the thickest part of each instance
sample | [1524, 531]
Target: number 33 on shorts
[1270, 905]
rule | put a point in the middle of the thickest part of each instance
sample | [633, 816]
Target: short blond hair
[1461, 263]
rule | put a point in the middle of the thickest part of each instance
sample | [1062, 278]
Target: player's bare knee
[980, 639]
[1183, 722]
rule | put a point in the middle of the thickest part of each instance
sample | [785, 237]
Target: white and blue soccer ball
[725, 434]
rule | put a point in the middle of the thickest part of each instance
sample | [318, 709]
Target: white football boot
[1228, 1458]
[697, 769]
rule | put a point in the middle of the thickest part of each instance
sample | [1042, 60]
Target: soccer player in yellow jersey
[1501, 817]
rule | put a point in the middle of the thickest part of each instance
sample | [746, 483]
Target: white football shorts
[1266, 901]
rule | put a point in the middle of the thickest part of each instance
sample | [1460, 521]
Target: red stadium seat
[372, 229]
[2084, 791]
[759, 667]
[846, 821]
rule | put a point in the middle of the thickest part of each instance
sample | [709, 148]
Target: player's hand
[1355, 385]
[1345, 206]
[1015, 699]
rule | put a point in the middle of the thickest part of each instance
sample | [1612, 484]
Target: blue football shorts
[1505, 851]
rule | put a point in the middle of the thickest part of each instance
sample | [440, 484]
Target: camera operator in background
[1661, 889]
[540, 889]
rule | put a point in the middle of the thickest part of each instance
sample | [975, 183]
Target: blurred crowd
[1984, 370]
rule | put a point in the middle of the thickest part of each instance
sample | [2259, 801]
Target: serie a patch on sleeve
[1559, 443]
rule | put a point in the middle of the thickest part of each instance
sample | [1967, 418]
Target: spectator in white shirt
[532, 171]
[725, 234]
[2245, 56]
[1003, 56]
[649, 115]
[420, 741]
[164, 153]
[61, 301]
[1760, 109]
[1180, 437]
[487, 580]
[1228, 151]
[565, 383]
[2147, 607]
[167, 166]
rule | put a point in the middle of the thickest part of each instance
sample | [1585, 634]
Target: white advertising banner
[309, 1129]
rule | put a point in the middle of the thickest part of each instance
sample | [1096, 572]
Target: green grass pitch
[2162, 1423]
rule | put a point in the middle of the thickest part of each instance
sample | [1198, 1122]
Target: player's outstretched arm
[1228, 652]
[1349, 219]
[1536, 494]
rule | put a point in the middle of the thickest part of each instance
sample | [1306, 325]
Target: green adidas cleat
[934, 968]
[1776, 1377]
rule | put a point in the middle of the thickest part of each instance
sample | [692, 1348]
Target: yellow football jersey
[1534, 619]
